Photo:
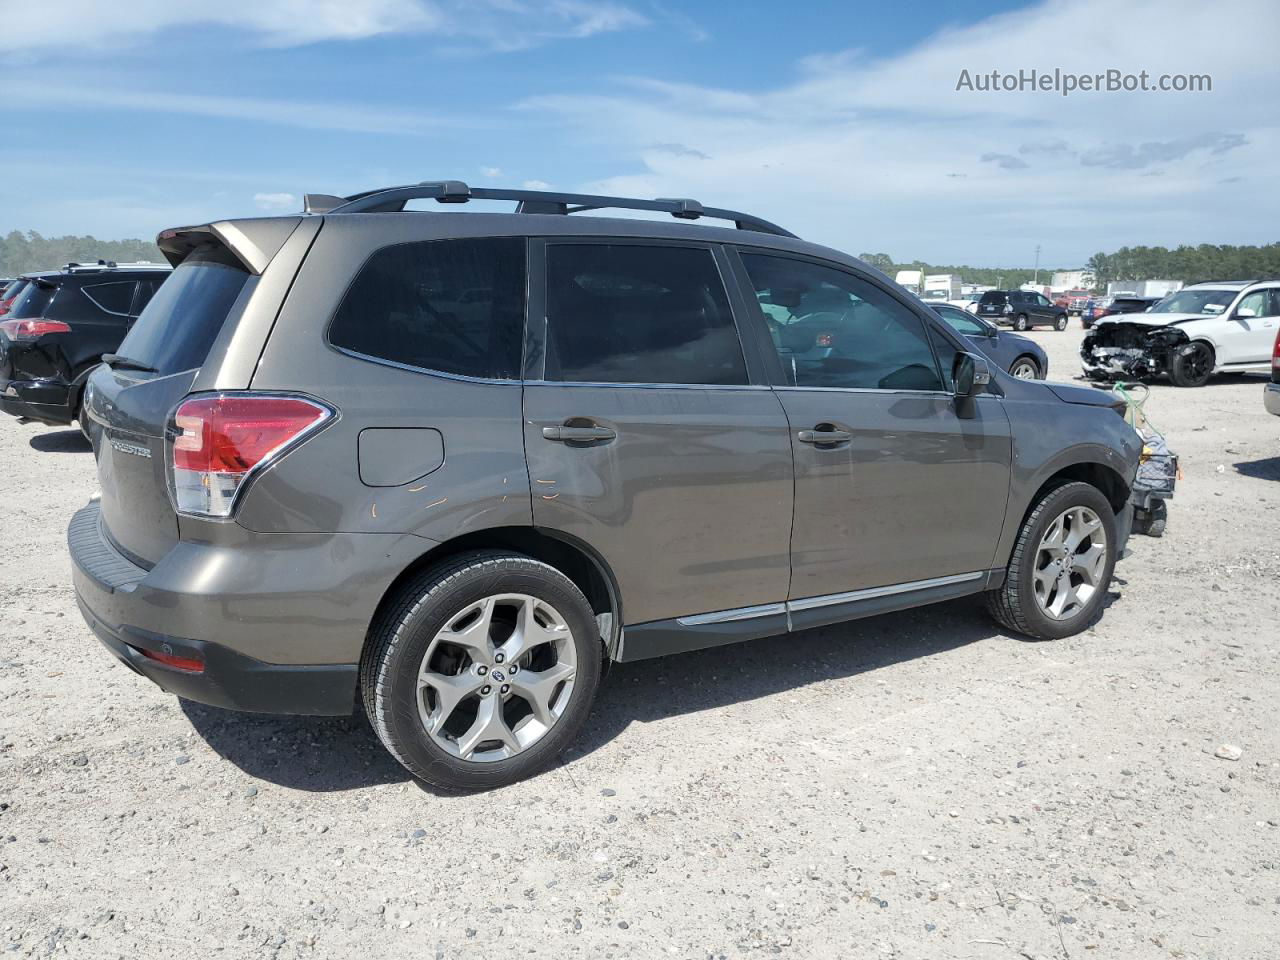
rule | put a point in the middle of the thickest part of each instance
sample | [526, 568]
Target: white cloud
[883, 153]
[536, 185]
[491, 172]
[276, 202]
[312, 115]
[491, 24]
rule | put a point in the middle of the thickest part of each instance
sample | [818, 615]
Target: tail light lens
[217, 442]
[32, 329]
[1275, 360]
[1007, 309]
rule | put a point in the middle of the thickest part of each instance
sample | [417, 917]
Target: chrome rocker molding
[662, 637]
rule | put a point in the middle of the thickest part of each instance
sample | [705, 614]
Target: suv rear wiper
[115, 361]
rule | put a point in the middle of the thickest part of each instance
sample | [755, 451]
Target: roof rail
[390, 199]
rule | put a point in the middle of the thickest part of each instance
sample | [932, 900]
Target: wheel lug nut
[499, 657]
[512, 670]
[506, 688]
[485, 690]
[482, 669]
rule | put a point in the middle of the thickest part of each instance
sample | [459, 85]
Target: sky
[850, 124]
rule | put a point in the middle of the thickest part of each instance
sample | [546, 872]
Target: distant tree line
[24, 252]
[1186, 263]
[1010, 278]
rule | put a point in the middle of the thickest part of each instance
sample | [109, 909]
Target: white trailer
[913, 280]
[941, 286]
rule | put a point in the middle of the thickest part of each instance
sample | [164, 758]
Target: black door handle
[823, 437]
[579, 434]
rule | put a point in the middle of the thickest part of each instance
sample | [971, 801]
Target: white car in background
[1207, 328]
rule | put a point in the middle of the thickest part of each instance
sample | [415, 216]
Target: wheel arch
[575, 559]
[1040, 367]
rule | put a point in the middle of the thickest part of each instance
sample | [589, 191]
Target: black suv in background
[59, 327]
[1021, 309]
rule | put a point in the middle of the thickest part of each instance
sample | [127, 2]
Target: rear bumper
[1271, 398]
[229, 679]
[48, 401]
[278, 620]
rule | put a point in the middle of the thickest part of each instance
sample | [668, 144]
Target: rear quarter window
[449, 306]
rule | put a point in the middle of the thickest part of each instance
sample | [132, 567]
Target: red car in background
[10, 294]
[1072, 301]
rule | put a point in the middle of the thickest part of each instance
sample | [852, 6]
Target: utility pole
[1036, 281]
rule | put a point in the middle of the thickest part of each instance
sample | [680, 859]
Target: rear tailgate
[157, 364]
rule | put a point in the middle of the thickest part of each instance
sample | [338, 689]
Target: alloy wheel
[497, 677]
[1025, 370]
[1069, 563]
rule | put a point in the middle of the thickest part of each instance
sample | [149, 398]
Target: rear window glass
[12, 289]
[32, 301]
[176, 330]
[991, 296]
[453, 306]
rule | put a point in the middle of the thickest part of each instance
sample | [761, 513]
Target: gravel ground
[914, 785]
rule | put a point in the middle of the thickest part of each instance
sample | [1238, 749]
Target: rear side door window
[639, 313]
[447, 306]
[834, 329]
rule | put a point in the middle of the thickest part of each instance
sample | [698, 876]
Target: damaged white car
[1201, 330]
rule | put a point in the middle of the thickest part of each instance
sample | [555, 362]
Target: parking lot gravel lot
[913, 785]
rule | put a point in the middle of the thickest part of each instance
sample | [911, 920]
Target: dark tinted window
[833, 329]
[639, 314]
[12, 289]
[32, 301]
[456, 306]
[146, 290]
[115, 297]
[946, 356]
[993, 296]
[179, 325]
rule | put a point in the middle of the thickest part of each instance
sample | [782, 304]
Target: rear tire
[1020, 323]
[1060, 323]
[414, 670]
[1192, 365]
[1018, 605]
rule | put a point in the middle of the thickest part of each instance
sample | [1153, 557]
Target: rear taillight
[1275, 360]
[218, 441]
[1007, 309]
[32, 329]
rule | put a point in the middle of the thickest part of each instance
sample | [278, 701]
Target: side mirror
[1246, 313]
[971, 374]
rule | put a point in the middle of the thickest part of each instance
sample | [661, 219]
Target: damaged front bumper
[1130, 351]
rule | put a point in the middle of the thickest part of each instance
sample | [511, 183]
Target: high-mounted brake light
[32, 329]
[218, 441]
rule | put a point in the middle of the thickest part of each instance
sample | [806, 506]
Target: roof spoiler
[252, 242]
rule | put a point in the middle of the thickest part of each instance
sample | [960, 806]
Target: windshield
[177, 328]
[1207, 302]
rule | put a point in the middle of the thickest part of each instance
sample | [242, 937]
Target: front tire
[481, 670]
[1061, 565]
[1060, 323]
[1192, 365]
[1020, 323]
[1025, 368]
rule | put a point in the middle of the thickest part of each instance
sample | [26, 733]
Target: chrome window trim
[648, 386]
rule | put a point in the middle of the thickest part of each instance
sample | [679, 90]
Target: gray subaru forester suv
[448, 466]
